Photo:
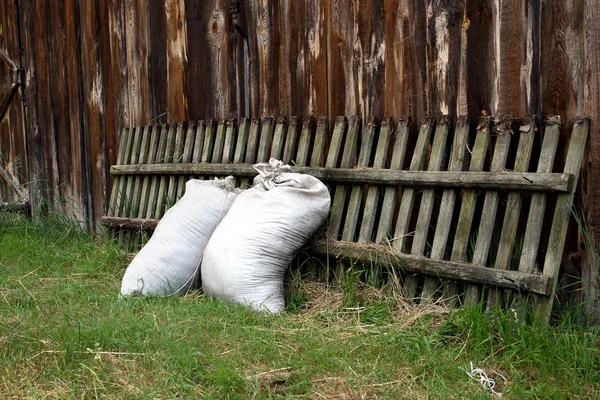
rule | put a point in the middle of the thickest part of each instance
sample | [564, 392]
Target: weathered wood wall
[95, 66]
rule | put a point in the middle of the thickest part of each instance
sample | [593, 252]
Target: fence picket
[490, 207]
[373, 193]
[356, 195]
[341, 191]
[513, 209]
[391, 193]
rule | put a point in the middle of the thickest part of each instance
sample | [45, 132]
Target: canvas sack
[249, 252]
[169, 263]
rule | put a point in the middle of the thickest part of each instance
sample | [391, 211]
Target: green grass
[65, 334]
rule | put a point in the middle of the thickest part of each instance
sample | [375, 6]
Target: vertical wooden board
[93, 100]
[323, 272]
[292, 72]
[465, 219]
[147, 181]
[217, 153]
[342, 83]
[444, 222]
[391, 193]
[152, 206]
[136, 47]
[335, 145]
[443, 55]
[252, 148]
[457, 159]
[562, 59]
[591, 172]
[230, 140]
[508, 236]
[405, 58]
[11, 162]
[408, 195]
[199, 142]
[565, 92]
[136, 148]
[138, 182]
[121, 192]
[341, 191]
[131, 154]
[562, 215]
[307, 57]
[478, 26]
[354, 205]
[200, 76]
[67, 190]
[436, 159]
[278, 139]
[45, 130]
[33, 143]
[253, 141]
[301, 159]
[266, 137]
[318, 77]
[318, 150]
[242, 141]
[157, 57]
[177, 159]
[535, 220]
[116, 74]
[130, 157]
[356, 51]
[516, 57]
[187, 155]
[490, 207]
[209, 141]
[176, 48]
[291, 141]
[115, 195]
[13, 124]
[463, 65]
[462, 235]
[162, 201]
[373, 194]
[78, 168]
[264, 41]
[52, 129]
[513, 205]
[199, 145]
[240, 61]
[217, 68]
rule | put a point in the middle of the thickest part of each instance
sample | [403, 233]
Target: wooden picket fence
[466, 215]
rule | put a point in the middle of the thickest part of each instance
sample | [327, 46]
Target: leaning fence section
[464, 213]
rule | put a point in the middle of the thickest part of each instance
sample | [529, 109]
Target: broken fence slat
[386, 256]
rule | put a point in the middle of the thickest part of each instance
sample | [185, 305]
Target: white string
[486, 381]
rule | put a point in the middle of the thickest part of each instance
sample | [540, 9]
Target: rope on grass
[487, 382]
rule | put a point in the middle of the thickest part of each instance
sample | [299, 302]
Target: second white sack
[246, 258]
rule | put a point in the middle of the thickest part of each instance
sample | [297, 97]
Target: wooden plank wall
[93, 67]
[12, 136]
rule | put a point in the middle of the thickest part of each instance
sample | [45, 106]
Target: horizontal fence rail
[507, 180]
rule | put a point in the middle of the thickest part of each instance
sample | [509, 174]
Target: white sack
[246, 258]
[169, 263]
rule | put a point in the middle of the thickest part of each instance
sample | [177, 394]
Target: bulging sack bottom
[246, 258]
[169, 263]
